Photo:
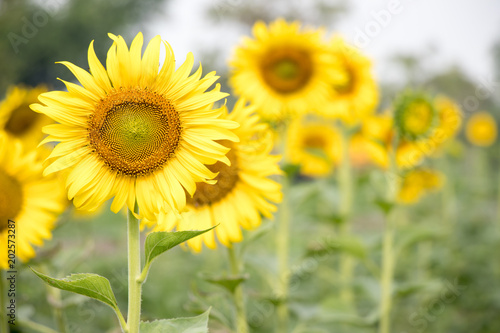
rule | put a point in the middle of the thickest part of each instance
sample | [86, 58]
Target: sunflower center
[346, 86]
[226, 180]
[11, 199]
[135, 132]
[21, 120]
[286, 70]
[315, 142]
[418, 118]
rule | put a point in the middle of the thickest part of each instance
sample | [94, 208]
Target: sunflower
[33, 202]
[418, 182]
[448, 120]
[371, 145]
[134, 132]
[356, 96]
[481, 129]
[16, 117]
[414, 116]
[314, 144]
[284, 70]
[243, 190]
[365, 151]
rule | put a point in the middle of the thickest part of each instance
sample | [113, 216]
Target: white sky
[461, 31]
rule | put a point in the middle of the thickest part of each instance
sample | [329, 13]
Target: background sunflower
[16, 117]
[244, 190]
[284, 69]
[32, 201]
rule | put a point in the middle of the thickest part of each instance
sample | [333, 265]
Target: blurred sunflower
[481, 129]
[371, 145]
[284, 70]
[414, 116]
[416, 183]
[365, 151]
[413, 149]
[16, 117]
[133, 132]
[355, 96]
[314, 144]
[243, 190]
[32, 201]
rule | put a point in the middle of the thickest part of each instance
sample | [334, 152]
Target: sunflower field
[273, 179]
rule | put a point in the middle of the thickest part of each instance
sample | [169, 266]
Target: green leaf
[291, 170]
[87, 284]
[228, 282]
[198, 324]
[162, 241]
[347, 244]
[384, 205]
[412, 236]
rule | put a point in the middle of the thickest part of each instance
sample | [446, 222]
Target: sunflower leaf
[162, 241]
[198, 324]
[87, 284]
[228, 282]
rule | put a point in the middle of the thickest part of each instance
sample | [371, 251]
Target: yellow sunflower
[16, 117]
[33, 202]
[314, 144]
[355, 96]
[284, 69]
[415, 116]
[418, 182]
[365, 151]
[410, 153]
[243, 190]
[481, 129]
[373, 142]
[134, 131]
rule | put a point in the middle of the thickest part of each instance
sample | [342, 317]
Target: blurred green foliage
[36, 34]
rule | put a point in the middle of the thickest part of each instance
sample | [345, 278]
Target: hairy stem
[345, 182]
[283, 249]
[134, 271]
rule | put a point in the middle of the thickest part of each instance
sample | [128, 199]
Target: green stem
[35, 326]
[121, 319]
[498, 203]
[448, 196]
[55, 300]
[134, 270]
[387, 276]
[345, 182]
[4, 325]
[388, 255]
[241, 318]
[283, 248]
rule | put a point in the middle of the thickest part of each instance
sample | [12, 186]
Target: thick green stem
[387, 276]
[239, 301]
[4, 325]
[56, 302]
[283, 249]
[498, 203]
[346, 197]
[388, 255]
[134, 271]
[448, 197]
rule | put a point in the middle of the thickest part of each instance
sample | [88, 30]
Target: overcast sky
[460, 31]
